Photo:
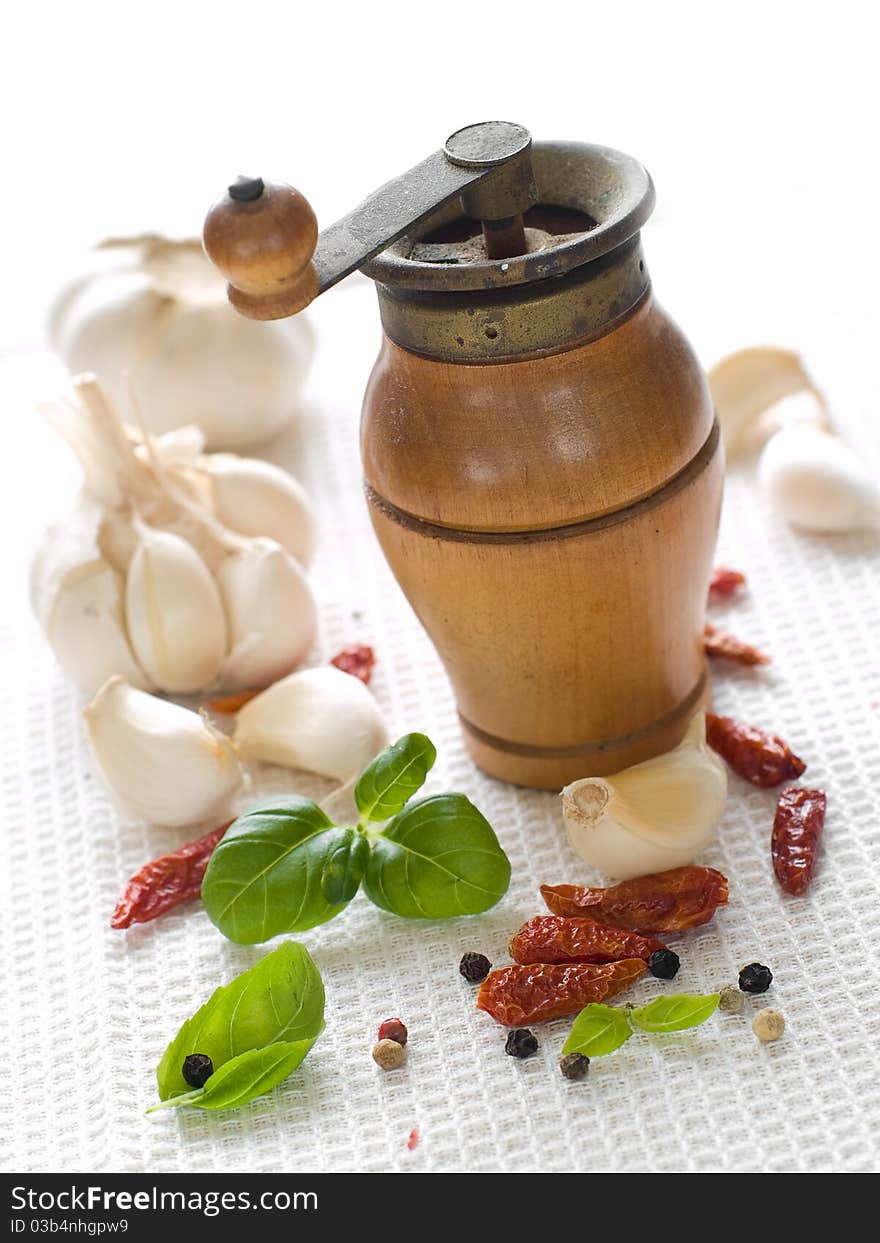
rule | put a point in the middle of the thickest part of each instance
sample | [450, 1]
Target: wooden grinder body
[552, 522]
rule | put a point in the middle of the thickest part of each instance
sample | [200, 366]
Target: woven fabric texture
[86, 1011]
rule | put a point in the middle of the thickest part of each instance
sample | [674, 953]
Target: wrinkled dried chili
[539, 992]
[762, 758]
[797, 827]
[660, 902]
[358, 661]
[165, 882]
[557, 938]
[725, 582]
[721, 644]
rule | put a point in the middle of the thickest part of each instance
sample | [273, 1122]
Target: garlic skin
[155, 309]
[174, 613]
[160, 762]
[270, 611]
[320, 720]
[256, 498]
[817, 483]
[758, 390]
[653, 816]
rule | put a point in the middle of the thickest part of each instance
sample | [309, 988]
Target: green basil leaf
[242, 1078]
[393, 777]
[437, 858]
[344, 867]
[675, 1013]
[598, 1030]
[266, 875]
[280, 1000]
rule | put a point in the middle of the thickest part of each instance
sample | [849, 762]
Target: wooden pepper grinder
[543, 467]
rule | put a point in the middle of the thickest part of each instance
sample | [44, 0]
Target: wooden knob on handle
[262, 238]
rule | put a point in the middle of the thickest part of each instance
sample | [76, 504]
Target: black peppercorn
[197, 1069]
[474, 967]
[574, 1065]
[755, 978]
[664, 964]
[521, 1043]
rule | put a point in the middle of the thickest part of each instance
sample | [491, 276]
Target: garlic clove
[174, 613]
[818, 483]
[758, 390]
[86, 629]
[160, 761]
[653, 816]
[257, 498]
[77, 599]
[270, 611]
[320, 720]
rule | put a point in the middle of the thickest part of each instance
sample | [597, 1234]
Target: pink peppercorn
[393, 1029]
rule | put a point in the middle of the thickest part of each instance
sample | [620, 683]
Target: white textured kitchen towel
[88, 1010]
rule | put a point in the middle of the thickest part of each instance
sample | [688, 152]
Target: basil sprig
[284, 866]
[256, 1030]
[599, 1029]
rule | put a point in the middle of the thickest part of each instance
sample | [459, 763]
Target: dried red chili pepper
[539, 992]
[230, 704]
[797, 827]
[555, 938]
[166, 882]
[358, 661]
[761, 758]
[726, 646]
[661, 902]
[725, 582]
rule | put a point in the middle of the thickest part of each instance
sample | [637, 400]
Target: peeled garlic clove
[320, 720]
[656, 815]
[271, 614]
[160, 761]
[751, 390]
[816, 482]
[257, 498]
[174, 613]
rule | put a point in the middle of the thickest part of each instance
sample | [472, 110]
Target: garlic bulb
[320, 720]
[174, 613]
[150, 578]
[271, 612]
[156, 310]
[818, 483]
[758, 390]
[656, 815]
[160, 761]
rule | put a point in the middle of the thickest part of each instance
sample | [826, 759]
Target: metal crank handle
[264, 237]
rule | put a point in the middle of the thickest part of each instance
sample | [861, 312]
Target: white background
[758, 123]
